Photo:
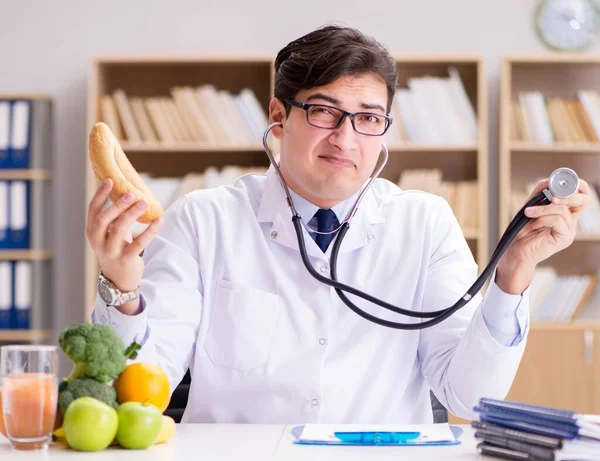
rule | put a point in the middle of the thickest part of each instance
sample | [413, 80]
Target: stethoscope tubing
[519, 221]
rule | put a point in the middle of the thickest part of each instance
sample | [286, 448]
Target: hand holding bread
[108, 229]
[109, 161]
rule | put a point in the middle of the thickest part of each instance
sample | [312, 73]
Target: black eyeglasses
[331, 118]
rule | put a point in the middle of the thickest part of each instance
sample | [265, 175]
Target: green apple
[139, 425]
[90, 425]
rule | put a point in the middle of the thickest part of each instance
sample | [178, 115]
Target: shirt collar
[273, 202]
[307, 209]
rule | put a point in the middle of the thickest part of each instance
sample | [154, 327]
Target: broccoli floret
[96, 350]
[86, 387]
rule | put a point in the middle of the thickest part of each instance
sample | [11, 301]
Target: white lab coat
[227, 295]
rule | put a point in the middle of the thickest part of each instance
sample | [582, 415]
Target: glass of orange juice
[28, 375]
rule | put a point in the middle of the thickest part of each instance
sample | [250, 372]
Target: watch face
[567, 25]
[105, 293]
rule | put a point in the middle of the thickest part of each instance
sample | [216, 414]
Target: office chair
[440, 414]
[179, 400]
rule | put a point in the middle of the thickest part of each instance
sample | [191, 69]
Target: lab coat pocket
[242, 326]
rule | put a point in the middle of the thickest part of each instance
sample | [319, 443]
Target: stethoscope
[562, 183]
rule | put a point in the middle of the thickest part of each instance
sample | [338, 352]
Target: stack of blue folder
[514, 430]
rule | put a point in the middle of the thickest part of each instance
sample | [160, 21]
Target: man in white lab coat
[221, 289]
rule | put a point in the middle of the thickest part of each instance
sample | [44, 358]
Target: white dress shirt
[227, 295]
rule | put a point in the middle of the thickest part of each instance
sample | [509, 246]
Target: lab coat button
[274, 234]
[324, 269]
[322, 341]
[370, 236]
[315, 402]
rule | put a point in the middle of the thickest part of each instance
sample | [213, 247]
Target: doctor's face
[326, 166]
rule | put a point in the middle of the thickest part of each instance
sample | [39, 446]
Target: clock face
[569, 25]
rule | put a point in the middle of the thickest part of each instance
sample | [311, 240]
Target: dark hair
[328, 53]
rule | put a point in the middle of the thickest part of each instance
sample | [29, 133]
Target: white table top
[249, 442]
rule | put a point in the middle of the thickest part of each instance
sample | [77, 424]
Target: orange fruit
[143, 382]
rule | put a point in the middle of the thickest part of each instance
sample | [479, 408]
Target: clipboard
[355, 435]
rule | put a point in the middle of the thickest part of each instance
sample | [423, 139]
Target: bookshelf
[156, 76]
[30, 261]
[456, 159]
[553, 128]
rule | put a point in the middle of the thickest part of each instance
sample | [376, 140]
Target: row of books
[433, 110]
[168, 190]
[462, 196]
[25, 133]
[564, 298]
[541, 119]
[515, 430]
[589, 221]
[201, 114]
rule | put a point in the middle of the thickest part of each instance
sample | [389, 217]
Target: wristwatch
[111, 295]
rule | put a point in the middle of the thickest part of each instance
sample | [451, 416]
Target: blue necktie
[326, 222]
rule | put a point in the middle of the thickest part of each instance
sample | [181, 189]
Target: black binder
[484, 429]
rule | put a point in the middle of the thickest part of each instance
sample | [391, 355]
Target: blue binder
[18, 230]
[6, 294]
[537, 418]
[4, 214]
[5, 112]
[22, 278]
[20, 134]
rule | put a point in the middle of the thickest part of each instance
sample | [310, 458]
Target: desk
[247, 442]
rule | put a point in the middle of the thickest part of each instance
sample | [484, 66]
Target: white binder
[18, 235]
[3, 214]
[23, 294]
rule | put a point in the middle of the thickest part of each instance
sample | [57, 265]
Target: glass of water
[29, 394]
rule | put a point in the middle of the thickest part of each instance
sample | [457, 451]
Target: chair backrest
[179, 399]
[440, 414]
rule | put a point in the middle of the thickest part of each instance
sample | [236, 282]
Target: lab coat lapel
[274, 209]
[363, 227]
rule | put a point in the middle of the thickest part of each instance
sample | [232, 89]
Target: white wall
[45, 46]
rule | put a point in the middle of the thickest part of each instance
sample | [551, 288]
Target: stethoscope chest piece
[563, 182]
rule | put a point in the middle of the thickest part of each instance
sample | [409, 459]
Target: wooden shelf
[414, 147]
[25, 255]
[566, 326]
[25, 335]
[575, 148]
[41, 96]
[587, 238]
[188, 147]
[26, 174]
[553, 58]
[471, 234]
[195, 147]
[128, 60]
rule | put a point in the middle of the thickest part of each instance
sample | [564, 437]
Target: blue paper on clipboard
[377, 435]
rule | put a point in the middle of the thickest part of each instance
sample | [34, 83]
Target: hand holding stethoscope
[552, 227]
